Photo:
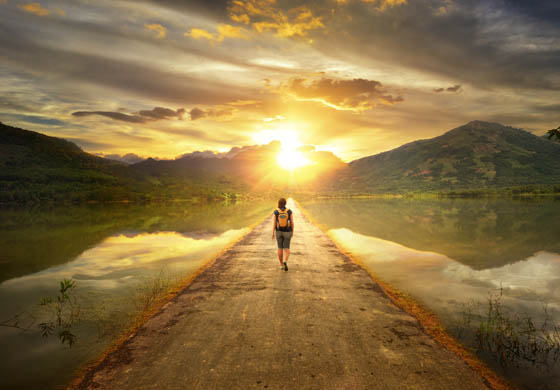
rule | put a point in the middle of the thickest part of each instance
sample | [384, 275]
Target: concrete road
[245, 324]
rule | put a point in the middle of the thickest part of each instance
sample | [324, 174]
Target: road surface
[245, 324]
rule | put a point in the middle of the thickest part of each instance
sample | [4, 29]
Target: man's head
[281, 203]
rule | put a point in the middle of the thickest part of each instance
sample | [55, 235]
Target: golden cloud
[265, 16]
[223, 31]
[157, 29]
[353, 95]
[35, 8]
[244, 102]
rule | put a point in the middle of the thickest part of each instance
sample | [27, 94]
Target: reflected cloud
[441, 282]
[128, 257]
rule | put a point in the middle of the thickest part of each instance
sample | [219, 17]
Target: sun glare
[289, 158]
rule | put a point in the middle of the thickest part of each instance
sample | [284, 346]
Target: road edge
[429, 321]
[84, 374]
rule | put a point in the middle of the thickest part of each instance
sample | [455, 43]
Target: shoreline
[82, 374]
[428, 320]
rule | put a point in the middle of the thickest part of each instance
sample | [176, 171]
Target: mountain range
[477, 155]
[473, 156]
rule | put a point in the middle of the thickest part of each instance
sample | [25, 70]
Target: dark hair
[281, 203]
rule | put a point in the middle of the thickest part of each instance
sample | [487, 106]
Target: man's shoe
[285, 266]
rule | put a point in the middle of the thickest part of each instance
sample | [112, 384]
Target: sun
[290, 157]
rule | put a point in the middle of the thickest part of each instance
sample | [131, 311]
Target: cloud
[196, 113]
[510, 43]
[454, 88]
[223, 31]
[143, 116]
[119, 116]
[221, 113]
[145, 80]
[40, 120]
[35, 8]
[353, 95]
[384, 4]
[163, 113]
[157, 29]
[265, 16]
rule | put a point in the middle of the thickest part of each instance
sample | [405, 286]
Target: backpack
[283, 220]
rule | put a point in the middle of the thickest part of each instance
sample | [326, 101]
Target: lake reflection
[450, 252]
[109, 251]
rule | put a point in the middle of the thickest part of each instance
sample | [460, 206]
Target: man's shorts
[283, 239]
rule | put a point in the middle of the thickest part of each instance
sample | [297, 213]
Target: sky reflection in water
[110, 251]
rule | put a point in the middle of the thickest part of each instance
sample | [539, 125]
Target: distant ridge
[476, 155]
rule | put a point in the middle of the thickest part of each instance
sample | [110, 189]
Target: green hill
[474, 156]
[34, 166]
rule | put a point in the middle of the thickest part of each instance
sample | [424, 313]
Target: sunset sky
[355, 77]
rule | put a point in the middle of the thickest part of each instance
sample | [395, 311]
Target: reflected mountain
[478, 233]
[34, 239]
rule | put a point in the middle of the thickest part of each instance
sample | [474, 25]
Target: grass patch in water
[511, 338]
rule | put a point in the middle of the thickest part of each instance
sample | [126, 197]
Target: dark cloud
[143, 116]
[355, 94]
[216, 113]
[484, 43]
[163, 113]
[454, 88]
[196, 113]
[119, 116]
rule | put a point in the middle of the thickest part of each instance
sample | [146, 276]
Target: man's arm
[273, 224]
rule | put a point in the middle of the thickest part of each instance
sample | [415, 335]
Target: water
[451, 254]
[117, 255]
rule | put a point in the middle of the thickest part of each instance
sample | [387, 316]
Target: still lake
[118, 256]
[453, 254]
[445, 253]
